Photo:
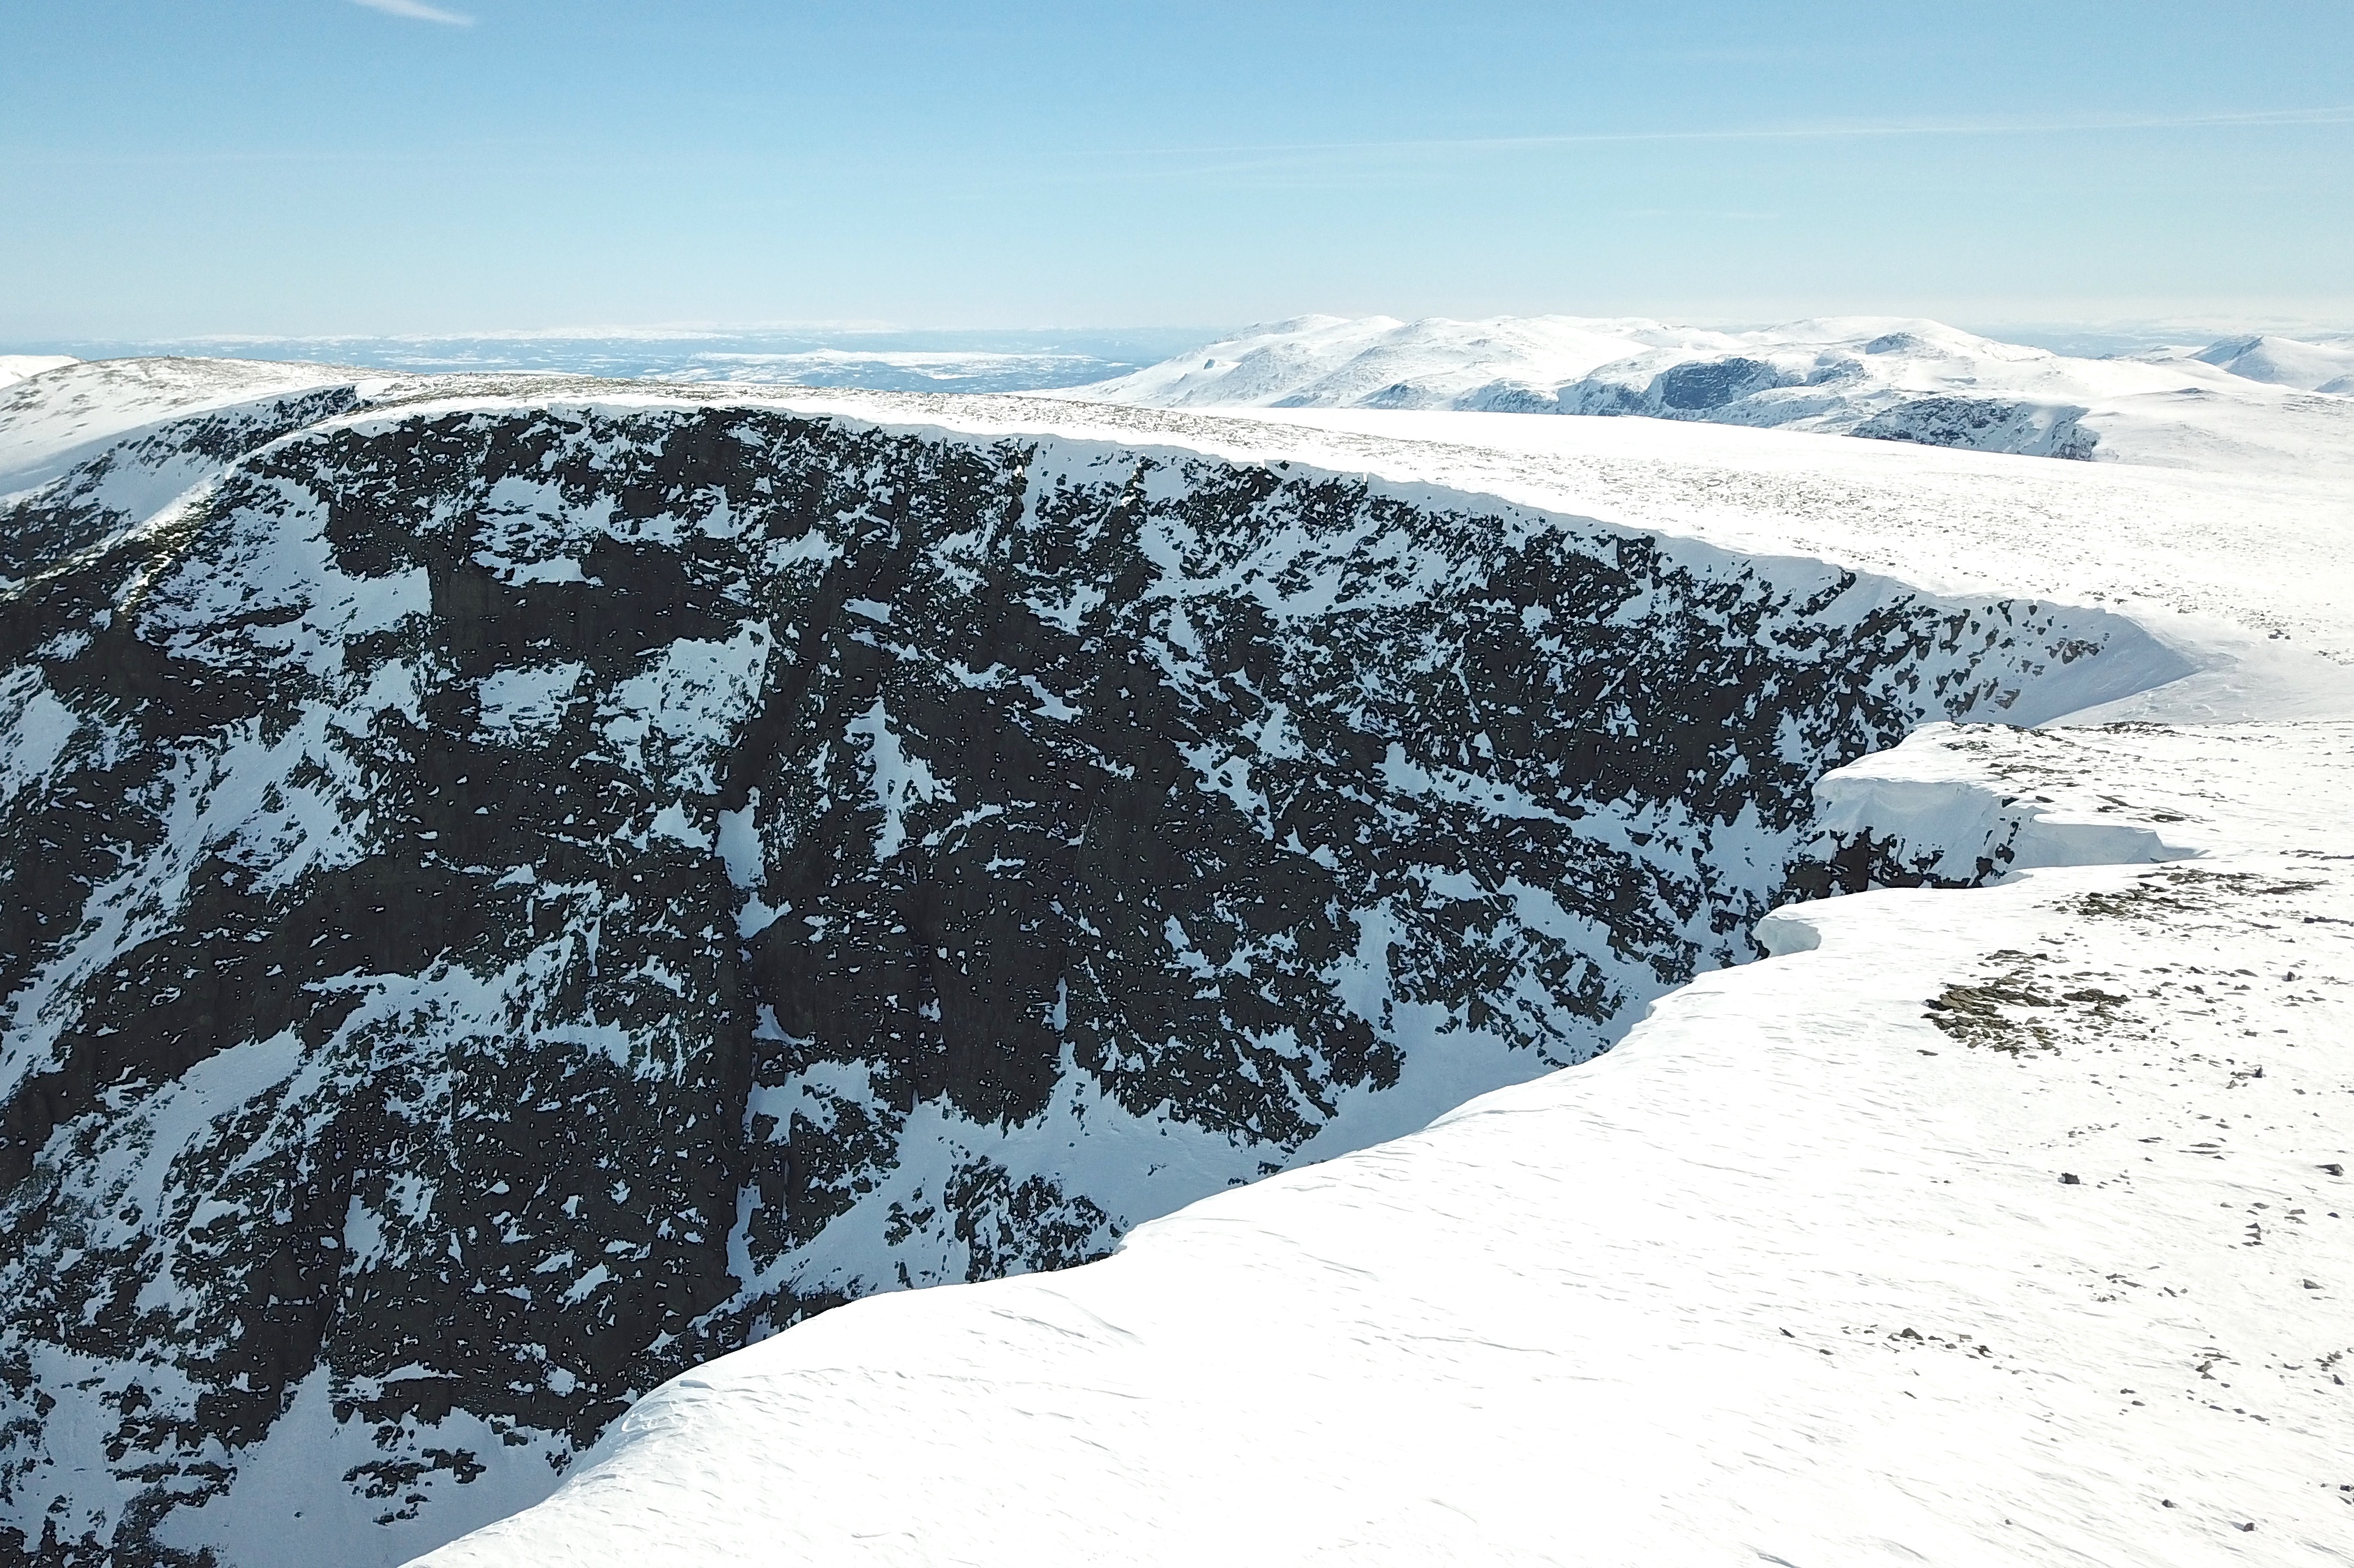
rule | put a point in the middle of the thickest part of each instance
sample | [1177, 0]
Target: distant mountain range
[893, 361]
[2245, 402]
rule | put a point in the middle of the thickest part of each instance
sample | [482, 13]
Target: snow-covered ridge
[2237, 405]
[808, 845]
[2006, 1226]
[18, 366]
[74, 413]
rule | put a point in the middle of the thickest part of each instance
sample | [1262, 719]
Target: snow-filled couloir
[518, 886]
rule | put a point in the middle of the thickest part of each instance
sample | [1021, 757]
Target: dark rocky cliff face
[500, 905]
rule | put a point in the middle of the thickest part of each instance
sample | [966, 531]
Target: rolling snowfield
[1998, 1214]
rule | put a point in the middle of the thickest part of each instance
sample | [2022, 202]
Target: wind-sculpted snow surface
[506, 901]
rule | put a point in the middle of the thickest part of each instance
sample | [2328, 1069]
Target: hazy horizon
[890, 357]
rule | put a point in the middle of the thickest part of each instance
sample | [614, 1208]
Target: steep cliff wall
[500, 903]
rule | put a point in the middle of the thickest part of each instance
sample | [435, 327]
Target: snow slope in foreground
[2004, 1226]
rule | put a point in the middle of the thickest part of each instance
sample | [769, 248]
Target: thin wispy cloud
[1274, 165]
[2335, 114]
[417, 11]
[1348, 164]
[1264, 153]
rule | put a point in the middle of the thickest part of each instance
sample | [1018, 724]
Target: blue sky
[174, 167]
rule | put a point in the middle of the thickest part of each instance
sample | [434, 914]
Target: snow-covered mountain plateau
[2247, 402]
[514, 887]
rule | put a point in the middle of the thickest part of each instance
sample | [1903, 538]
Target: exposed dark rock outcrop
[1987, 425]
[500, 904]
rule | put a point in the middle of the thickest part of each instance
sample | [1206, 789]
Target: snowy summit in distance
[2313, 366]
[2245, 402]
